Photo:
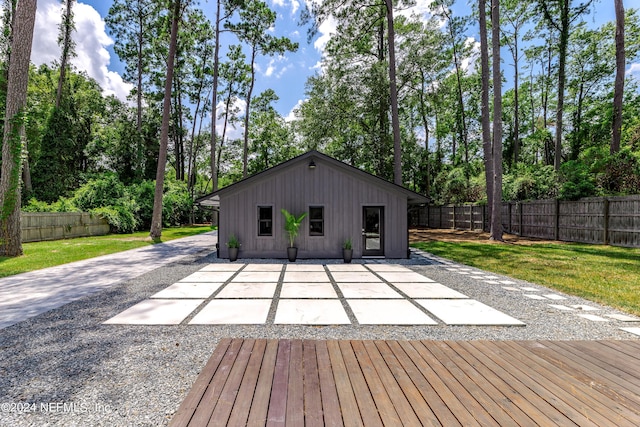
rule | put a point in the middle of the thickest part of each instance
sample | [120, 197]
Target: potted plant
[347, 251]
[234, 246]
[292, 227]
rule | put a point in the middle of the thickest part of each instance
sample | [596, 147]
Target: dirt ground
[448, 235]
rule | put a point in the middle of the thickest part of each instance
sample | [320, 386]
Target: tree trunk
[516, 103]
[496, 217]
[395, 120]
[247, 112]
[139, 72]
[156, 220]
[562, 61]
[619, 83]
[67, 28]
[484, 105]
[214, 100]
[18, 78]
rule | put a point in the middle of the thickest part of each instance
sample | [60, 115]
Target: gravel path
[65, 368]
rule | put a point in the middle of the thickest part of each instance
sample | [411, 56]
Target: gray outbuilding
[342, 202]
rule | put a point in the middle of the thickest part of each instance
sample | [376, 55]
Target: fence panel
[624, 221]
[39, 226]
[538, 219]
[614, 220]
[582, 221]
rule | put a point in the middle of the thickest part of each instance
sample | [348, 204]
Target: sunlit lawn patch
[39, 255]
[604, 274]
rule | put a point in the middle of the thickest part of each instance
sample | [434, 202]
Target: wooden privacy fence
[601, 220]
[40, 226]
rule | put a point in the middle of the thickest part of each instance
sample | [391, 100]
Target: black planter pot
[347, 255]
[292, 253]
[233, 254]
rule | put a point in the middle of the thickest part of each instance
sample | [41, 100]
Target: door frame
[381, 232]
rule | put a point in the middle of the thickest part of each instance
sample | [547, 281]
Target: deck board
[261, 382]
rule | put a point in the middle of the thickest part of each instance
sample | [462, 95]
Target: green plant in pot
[234, 247]
[347, 251]
[292, 227]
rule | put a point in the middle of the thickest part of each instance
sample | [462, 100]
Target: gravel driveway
[66, 368]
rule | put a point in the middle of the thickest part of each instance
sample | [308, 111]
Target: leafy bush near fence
[126, 208]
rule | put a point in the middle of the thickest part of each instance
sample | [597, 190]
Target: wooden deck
[412, 383]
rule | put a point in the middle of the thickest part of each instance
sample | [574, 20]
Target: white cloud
[327, 29]
[421, 8]
[634, 70]
[292, 114]
[276, 67]
[293, 4]
[91, 41]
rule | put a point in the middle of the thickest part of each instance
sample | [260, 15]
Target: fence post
[606, 221]
[483, 216]
[454, 217]
[556, 232]
[509, 214]
[520, 232]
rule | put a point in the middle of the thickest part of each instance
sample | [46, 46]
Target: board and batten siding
[297, 187]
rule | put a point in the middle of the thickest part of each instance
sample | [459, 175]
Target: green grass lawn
[39, 255]
[604, 274]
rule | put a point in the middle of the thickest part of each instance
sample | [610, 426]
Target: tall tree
[516, 14]
[485, 112]
[619, 83]
[456, 27]
[393, 90]
[67, 46]
[256, 19]
[222, 15]
[156, 220]
[132, 23]
[560, 15]
[358, 23]
[496, 211]
[18, 78]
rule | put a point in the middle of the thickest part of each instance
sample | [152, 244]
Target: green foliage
[62, 205]
[107, 190]
[233, 242]
[347, 244]
[176, 203]
[530, 183]
[576, 181]
[292, 225]
[126, 208]
[120, 219]
[621, 173]
[143, 194]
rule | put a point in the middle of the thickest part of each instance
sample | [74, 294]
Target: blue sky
[285, 74]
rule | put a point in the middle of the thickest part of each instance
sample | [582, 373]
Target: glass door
[373, 230]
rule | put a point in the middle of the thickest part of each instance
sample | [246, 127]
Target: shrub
[120, 219]
[576, 181]
[176, 204]
[62, 205]
[620, 174]
[532, 182]
[143, 194]
[107, 190]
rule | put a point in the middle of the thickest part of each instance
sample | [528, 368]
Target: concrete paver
[467, 312]
[157, 312]
[388, 312]
[233, 311]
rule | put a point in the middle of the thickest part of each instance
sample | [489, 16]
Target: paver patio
[314, 294]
